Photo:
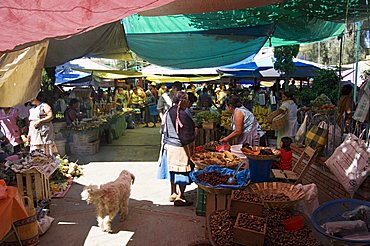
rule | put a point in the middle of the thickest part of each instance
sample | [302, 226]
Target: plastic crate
[85, 149]
[201, 202]
[332, 211]
[260, 170]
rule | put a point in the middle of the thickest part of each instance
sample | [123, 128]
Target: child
[286, 154]
[119, 106]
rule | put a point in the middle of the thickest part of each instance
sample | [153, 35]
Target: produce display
[246, 196]
[36, 159]
[251, 222]
[63, 176]
[261, 114]
[69, 169]
[322, 102]
[276, 235]
[211, 146]
[221, 228]
[225, 159]
[275, 197]
[226, 120]
[204, 116]
[255, 151]
[217, 146]
[214, 178]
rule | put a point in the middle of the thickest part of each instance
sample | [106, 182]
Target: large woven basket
[200, 164]
[217, 191]
[280, 121]
[289, 190]
[261, 157]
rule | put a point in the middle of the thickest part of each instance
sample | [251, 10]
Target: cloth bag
[350, 163]
[317, 135]
[299, 137]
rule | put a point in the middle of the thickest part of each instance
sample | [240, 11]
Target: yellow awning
[267, 83]
[166, 79]
[112, 74]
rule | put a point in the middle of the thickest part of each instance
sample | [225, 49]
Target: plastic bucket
[294, 223]
[260, 170]
[61, 146]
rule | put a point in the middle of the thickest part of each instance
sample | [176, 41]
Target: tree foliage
[284, 60]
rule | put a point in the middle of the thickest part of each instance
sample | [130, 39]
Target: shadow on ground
[75, 223]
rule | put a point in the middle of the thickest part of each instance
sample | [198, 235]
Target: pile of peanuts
[221, 228]
[246, 196]
[276, 197]
[251, 222]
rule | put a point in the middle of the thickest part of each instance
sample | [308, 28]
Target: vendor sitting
[244, 123]
[71, 114]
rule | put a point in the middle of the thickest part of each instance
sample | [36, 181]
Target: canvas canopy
[196, 6]
[27, 21]
[264, 68]
[221, 38]
[107, 41]
[20, 74]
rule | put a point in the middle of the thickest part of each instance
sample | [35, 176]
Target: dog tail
[132, 178]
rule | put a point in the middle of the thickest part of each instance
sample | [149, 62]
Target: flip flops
[182, 202]
[172, 197]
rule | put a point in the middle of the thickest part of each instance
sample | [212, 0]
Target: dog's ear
[88, 192]
[132, 178]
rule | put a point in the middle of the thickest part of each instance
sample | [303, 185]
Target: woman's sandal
[182, 202]
[172, 197]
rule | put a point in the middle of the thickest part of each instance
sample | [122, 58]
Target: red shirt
[286, 159]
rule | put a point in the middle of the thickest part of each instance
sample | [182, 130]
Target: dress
[291, 128]
[177, 147]
[8, 124]
[43, 136]
[250, 126]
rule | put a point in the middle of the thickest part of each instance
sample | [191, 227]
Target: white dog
[110, 199]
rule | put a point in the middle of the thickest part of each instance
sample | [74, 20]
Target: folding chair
[293, 175]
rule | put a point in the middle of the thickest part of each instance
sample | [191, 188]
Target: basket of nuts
[277, 194]
[214, 179]
[220, 226]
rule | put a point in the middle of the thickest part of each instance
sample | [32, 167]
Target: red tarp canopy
[27, 21]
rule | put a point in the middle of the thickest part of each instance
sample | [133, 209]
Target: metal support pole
[357, 51]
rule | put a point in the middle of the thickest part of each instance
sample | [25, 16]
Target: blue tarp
[264, 68]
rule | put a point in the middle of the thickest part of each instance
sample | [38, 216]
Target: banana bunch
[261, 114]
[226, 120]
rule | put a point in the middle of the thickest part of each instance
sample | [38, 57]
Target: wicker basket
[218, 191]
[280, 121]
[289, 190]
[200, 164]
[261, 157]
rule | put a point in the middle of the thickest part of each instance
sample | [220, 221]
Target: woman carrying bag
[289, 107]
[179, 135]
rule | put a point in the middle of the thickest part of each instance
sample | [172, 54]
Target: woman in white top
[288, 104]
[41, 131]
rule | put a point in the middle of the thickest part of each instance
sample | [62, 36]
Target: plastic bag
[359, 213]
[311, 200]
[345, 228]
[242, 176]
[359, 237]
[45, 224]
[299, 137]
